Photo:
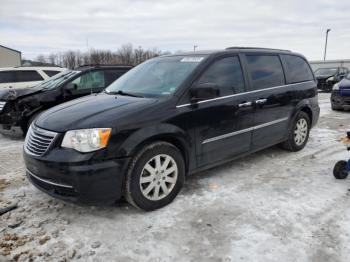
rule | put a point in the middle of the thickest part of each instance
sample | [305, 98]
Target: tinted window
[297, 69]
[28, 76]
[227, 74]
[7, 77]
[90, 80]
[51, 73]
[112, 75]
[265, 71]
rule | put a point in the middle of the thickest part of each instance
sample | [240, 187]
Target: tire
[293, 143]
[144, 179]
[339, 170]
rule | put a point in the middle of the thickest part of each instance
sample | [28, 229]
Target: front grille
[38, 140]
[2, 105]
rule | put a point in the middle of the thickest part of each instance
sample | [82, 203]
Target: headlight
[331, 78]
[86, 140]
[335, 87]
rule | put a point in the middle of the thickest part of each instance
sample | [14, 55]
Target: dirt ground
[270, 206]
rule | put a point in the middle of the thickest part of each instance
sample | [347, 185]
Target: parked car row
[164, 119]
[20, 77]
[20, 106]
[327, 77]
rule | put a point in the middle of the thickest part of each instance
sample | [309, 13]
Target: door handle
[245, 104]
[260, 101]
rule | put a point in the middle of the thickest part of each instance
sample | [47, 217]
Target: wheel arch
[166, 132]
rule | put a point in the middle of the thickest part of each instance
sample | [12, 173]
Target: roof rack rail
[259, 48]
[85, 65]
[37, 66]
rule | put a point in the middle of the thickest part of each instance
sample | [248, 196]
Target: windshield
[326, 71]
[156, 77]
[52, 82]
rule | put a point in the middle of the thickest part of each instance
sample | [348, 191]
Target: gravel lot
[270, 206]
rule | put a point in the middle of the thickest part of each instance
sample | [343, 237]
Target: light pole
[194, 48]
[325, 47]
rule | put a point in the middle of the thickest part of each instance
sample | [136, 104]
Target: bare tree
[126, 54]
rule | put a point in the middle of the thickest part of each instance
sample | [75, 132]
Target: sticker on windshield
[192, 59]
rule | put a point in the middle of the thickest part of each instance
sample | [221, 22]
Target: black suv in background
[18, 107]
[168, 117]
[327, 77]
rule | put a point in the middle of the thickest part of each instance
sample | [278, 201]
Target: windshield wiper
[123, 93]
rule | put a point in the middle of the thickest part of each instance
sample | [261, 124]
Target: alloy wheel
[158, 177]
[300, 131]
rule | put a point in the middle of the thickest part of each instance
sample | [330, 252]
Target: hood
[324, 76]
[14, 93]
[345, 83]
[99, 110]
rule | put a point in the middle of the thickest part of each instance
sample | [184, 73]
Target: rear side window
[7, 77]
[112, 75]
[51, 73]
[265, 71]
[227, 74]
[28, 76]
[297, 69]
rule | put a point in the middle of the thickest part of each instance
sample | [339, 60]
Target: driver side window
[227, 74]
[90, 80]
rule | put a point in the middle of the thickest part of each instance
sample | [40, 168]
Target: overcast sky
[42, 26]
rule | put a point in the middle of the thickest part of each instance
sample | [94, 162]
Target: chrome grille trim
[38, 141]
[48, 181]
[2, 105]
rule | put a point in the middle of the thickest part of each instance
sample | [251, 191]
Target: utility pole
[194, 48]
[325, 47]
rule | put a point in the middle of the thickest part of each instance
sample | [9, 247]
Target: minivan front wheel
[299, 133]
[155, 176]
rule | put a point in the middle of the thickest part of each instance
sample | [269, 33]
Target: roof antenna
[89, 62]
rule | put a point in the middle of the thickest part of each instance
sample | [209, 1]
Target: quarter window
[90, 80]
[51, 73]
[28, 76]
[297, 69]
[265, 71]
[7, 77]
[227, 74]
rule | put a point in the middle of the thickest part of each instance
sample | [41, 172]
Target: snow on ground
[270, 206]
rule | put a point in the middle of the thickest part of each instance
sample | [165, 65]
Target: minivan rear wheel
[155, 176]
[299, 133]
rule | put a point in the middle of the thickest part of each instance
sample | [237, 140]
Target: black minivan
[19, 106]
[169, 117]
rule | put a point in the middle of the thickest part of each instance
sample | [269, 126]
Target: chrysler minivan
[167, 118]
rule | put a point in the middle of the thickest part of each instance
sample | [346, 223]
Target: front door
[222, 125]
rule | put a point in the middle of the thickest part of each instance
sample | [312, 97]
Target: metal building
[9, 57]
[330, 63]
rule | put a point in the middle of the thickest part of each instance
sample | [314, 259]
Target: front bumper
[11, 123]
[340, 100]
[9, 130]
[84, 182]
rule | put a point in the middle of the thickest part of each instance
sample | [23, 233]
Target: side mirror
[204, 91]
[70, 88]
